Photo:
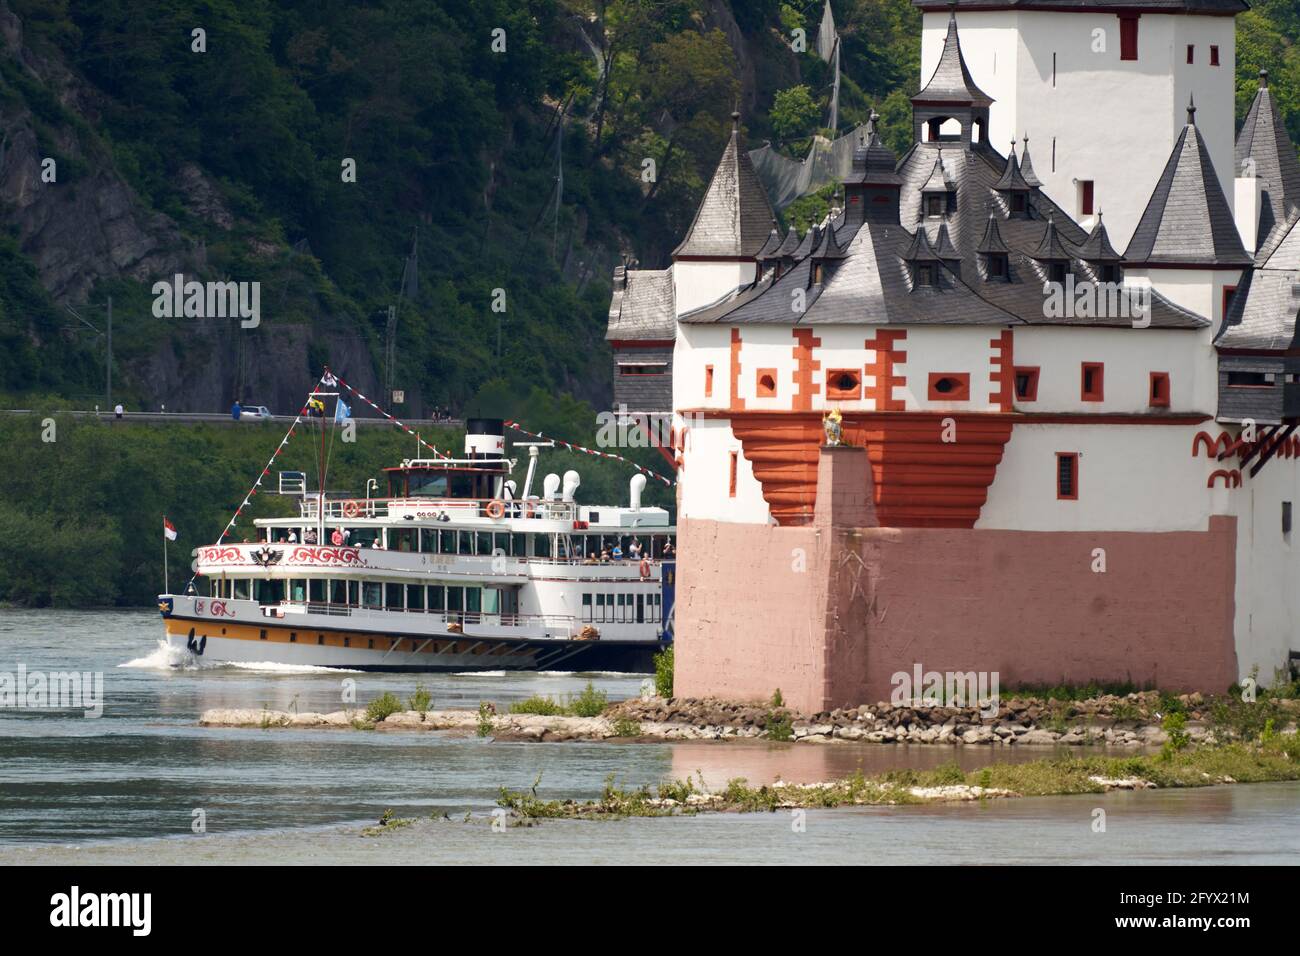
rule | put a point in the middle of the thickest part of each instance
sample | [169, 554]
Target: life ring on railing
[351, 509]
[645, 569]
[496, 509]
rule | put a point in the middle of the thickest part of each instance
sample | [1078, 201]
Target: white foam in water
[273, 667]
[165, 658]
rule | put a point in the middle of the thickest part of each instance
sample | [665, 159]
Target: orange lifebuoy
[496, 509]
[645, 568]
[350, 509]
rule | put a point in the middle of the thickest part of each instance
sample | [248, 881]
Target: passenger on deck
[604, 555]
[635, 549]
[293, 537]
[668, 549]
[336, 538]
[309, 536]
[618, 552]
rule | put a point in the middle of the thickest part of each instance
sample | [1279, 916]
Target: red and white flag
[169, 530]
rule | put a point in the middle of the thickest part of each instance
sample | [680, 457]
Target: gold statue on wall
[833, 426]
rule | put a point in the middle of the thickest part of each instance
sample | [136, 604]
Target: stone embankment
[1131, 721]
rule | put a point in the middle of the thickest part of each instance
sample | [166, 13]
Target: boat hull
[363, 650]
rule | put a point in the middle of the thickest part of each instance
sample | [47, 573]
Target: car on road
[254, 413]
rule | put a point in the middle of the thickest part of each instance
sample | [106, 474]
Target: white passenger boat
[452, 571]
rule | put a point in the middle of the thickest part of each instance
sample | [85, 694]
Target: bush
[421, 700]
[485, 713]
[537, 704]
[664, 672]
[778, 726]
[383, 706]
[626, 727]
[590, 703]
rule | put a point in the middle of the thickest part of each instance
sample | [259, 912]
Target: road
[217, 418]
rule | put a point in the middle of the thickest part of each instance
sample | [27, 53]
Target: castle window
[1214, 55]
[1286, 521]
[731, 477]
[949, 387]
[1191, 53]
[934, 204]
[1249, 380]
[843, 384]
[1085, 197]
[1056, 271]
[925, 274]
[708, 381]
[1092, 382]
[648, 368]
[1017, 202]
[1067, 476]
[1228, 292]
[1109, 272]
[1159, 390]
[1027, 383]
[1128, 37]
[995, 265]
[766, 383]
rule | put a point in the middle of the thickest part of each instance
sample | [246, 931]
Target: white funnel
[571, 482]
[635, 487]
[550, 486]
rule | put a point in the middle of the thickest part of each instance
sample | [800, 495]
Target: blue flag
[341, 412]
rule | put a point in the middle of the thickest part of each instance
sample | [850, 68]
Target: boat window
[484, 542]
[542, 545]
[501, 543]
[473, 600]
[429, 540]
[455, 599]
[465, 542]
[402, 539]
[491, 601]
[415, 597]
[394, 595]
[372, 594]
[437, 596]
[241, 589]
[447, 542]
[640, 608]
[338, 592]
[316, 588]
[427, 484]
[586, 607]
[518, 545]
[354, 593]
[298, 590]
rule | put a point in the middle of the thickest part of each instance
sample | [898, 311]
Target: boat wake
[168, 658]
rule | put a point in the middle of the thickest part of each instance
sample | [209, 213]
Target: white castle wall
[697, 282]
[1113, 121]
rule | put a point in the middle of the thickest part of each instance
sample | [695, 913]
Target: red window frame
[1228, 292]
[1086, 200]
[731, 479]
[960, 394]
[708, 381]
[1031, 386]
[761, 390]
[1158, 390]
[1214, 55]
[1128, 36]
[835, 392]
[1073, 458]
[1098, 391]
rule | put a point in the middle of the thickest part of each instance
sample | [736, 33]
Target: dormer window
[925, 274]
[1056, 271]
[1017, 202]
[1109, 272]
[995, 266]
[935, 204]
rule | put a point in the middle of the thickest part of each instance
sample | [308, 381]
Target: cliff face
[88, 224]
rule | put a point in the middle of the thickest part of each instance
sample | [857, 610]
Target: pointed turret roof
[874, 163]
[992, 243]
[1187, 221]
[732, 221]
[943, 246]
[1027, 166]
[940, 181]
[773, 243]
[1012, 179]
[1097, 247]
[829, 247]
[1051, 248]
[811, 239]
[920, 250]
[789, 245]
[1263, 139]
[951, 81]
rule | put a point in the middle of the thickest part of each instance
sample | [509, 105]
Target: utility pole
[108, 361]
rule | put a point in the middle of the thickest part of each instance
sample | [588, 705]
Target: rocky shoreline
[1134, 720]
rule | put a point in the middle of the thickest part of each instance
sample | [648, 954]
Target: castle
[1097, 492]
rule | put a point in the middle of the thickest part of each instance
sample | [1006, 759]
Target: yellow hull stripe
[319, 637]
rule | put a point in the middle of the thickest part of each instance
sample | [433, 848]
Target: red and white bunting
[590, 451]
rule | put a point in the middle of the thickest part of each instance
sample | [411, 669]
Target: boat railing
[346, 509]
[553, 621]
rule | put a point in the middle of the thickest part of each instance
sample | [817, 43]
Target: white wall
[1113, 121]
[697, 283]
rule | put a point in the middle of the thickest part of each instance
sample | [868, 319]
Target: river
[128, 786]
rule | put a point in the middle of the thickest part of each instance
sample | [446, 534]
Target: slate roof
[734, 217]
[1097, 248]
[991, 243]
[1263, 312]
[951, 81]
[939, 181]
[1027, 166]
[1188, 220]
[873, 161]
[1050, 248]
[772, 245]
[643, 305]
[1264, 139]
[1012, 179]
[1221, 7]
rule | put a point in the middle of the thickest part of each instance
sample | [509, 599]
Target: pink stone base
[828, 615]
